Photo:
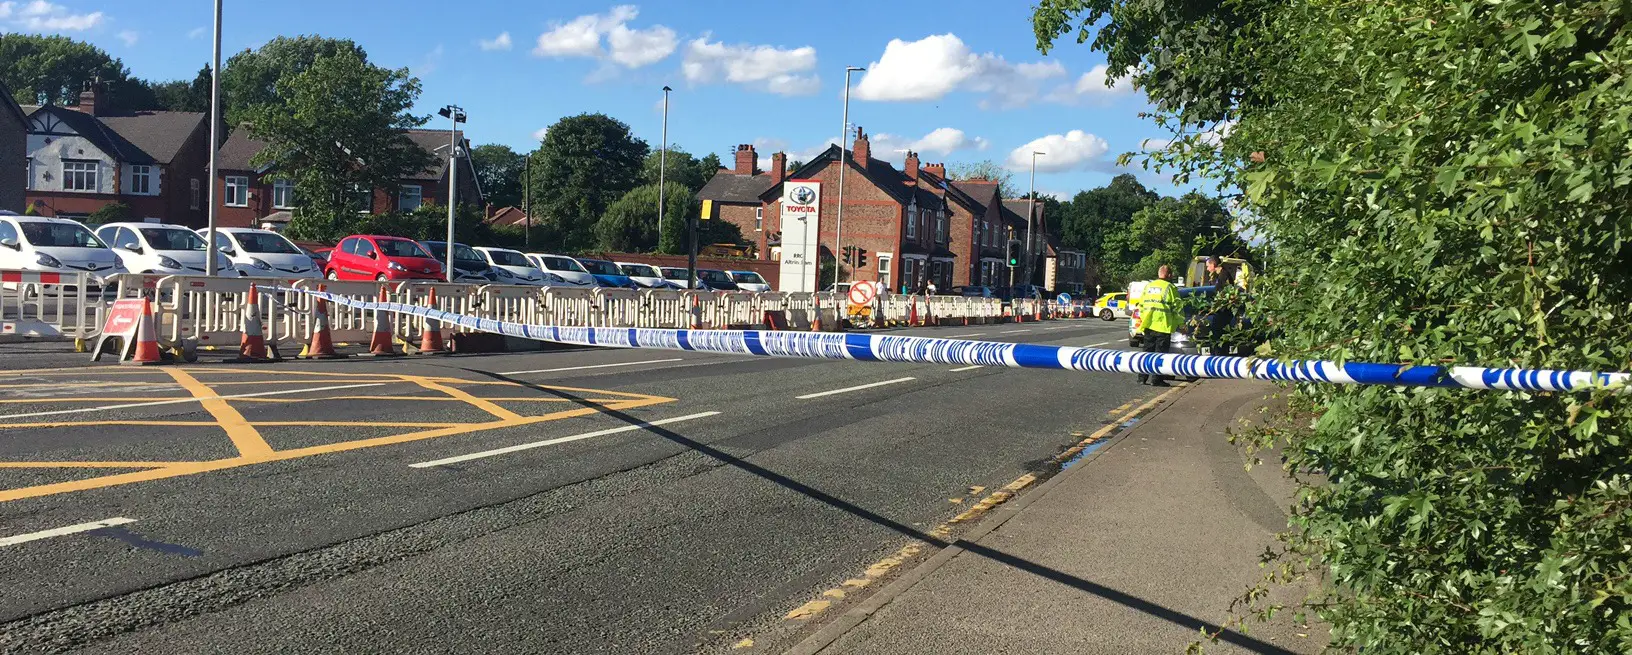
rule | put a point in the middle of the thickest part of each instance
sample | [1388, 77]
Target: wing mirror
[374, 255]
[132, 248]
[11, 243]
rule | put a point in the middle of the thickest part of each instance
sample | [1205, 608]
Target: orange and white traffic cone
[696, 314]
[322, 345]
[145, 350]
[252, 346]
[430, 339]
[381, 344]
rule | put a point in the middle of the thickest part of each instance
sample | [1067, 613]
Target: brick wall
[192, 162]
[742, 216]
[872, 220]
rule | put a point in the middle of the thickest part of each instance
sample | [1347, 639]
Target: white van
[572, 273]
[158, 248]
[517, 265]
[263, 253]
[53, 245]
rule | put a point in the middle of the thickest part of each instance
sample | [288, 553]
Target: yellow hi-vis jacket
[1159, 307]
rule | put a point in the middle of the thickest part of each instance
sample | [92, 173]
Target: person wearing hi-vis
[1158, 318]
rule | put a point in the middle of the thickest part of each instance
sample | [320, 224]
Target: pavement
[1138, 547]
[574, 501]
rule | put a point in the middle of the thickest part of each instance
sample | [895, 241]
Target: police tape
[931, 350]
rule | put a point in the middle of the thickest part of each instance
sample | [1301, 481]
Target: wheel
[1107, 315]
[334, 276]
[379, 278]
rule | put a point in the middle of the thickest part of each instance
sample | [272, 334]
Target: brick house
[81, 158]
[979, 231]
[248, 197]
[736, 192]
[1058, 269]
[13, 152]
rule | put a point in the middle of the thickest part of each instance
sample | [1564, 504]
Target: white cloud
[129, 37]
[1154, 144]
[932, 67]
[197, 32]
[762, 67]
[1216, 134]
[1093, 83]
[981, 143]
[432, 61]
[631, 48]
[538, 135]
[500, 42]
[944, 140]
[42, 16]
[941, 141]
[1074, 150]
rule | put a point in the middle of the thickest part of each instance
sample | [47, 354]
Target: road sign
[123, 317]
[1064, 299]
[801, 204]
[863, 293]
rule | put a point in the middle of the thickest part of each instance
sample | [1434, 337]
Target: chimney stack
[746, 159]
[862, 150]
[779, 168]
[87, 98]
[938, 170]
[912, 165]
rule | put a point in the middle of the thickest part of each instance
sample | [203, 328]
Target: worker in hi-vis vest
[1158, 318]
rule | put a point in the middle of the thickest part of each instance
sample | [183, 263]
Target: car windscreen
[169, 238]
[747, 278]
[402, 248]
[270, 244]
[562, 264]
[674, 274]
[707, 275]
[60, 235]
[509, 258]
[640, 270]
[599, 267]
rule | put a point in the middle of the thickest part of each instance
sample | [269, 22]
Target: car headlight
[551, 277]
[167, 262]
[260, 264]
[504, 273]
[396, 267]
[47, 261]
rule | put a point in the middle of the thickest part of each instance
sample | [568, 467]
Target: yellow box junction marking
[253, 448]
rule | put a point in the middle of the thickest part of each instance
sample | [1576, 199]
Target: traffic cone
[252, 346]
[145, 351]
[381, 344]
[430, 339]
[322, 345]
[696, 314]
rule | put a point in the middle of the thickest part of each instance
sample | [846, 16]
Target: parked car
[677, 277]
[521, 269]
[645, 275]
[53, 245]
[749, 281]
[158, 248]
[973, 291]
[468, 265]
[716, 280]
[1111, 306]
[372, 257]
[607, 274]
[263, 253]
[320, 256]
[572, 273]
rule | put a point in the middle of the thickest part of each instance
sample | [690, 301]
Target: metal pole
[453, 181]
[1031, 214]
[662, 167]
[838, 228]
[691, 252]
[527, 203]
[215, 138]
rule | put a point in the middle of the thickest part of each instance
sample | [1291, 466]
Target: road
[580, 501]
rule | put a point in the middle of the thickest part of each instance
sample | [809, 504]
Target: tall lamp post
[838, 228]
[455, 116]
[662, 166]
[215, 137]
[1031, 216]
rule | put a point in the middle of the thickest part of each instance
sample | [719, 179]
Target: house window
[410, 197]
[237, 191]
[940, 226]
[912, 222]
[80, 176]
[283, 194]
[362, 199]
[884, 261]
[194, 196]
[759, 219]
[141, 181]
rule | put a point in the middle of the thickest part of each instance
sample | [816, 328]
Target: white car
[158, 248]
[645, 275]
[572, 273]
[749, 281]
[53, 245]
[677, 277]
[263, 253]
[517, 265]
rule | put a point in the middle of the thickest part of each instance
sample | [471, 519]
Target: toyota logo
[804, 195]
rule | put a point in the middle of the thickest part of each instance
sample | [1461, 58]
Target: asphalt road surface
[582, 501]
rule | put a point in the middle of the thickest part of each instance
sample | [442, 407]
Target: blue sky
[957, 81]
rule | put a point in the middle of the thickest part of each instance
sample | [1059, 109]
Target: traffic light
[1014, 253]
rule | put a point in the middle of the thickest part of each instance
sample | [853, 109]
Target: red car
[369, 257]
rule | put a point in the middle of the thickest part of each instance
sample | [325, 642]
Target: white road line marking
[1015, 331]
[582, 368]
[63, 531]
[1057, 327]
[179, 401]
[966, 368]
[1096, 345]
[960, 336]
[559, 440]
[808, 396]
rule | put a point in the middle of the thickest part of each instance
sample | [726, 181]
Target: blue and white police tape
[930, 350]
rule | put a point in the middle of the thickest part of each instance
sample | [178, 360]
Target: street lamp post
[1031, 216]
[455, 116]
[527, 203]
[215, 137]
[662, 166]
[838, 227]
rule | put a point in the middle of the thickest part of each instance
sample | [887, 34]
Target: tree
[499, 170]
[1434, 182]
[336, 129]
[1087, 218]
[1168, 232]
[688, 171]
[630, 224]
[182, 95]
[985, 170]
[112, 212]
[54, 69]
[585, 163]
[250, 79]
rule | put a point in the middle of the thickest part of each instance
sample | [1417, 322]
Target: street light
[455, 116]
[838, 228]
[662, 166]
[1031, 215]
[215, 137]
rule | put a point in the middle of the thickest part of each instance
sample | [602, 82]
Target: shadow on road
[1128, 600]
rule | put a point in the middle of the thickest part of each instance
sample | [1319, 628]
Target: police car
[1111, 306]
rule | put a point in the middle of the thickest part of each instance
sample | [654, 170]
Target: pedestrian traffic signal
[1014, 252]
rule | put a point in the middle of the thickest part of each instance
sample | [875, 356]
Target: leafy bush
[112, 212]
[1437, 182]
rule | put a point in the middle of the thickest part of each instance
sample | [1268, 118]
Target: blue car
[607, 274]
